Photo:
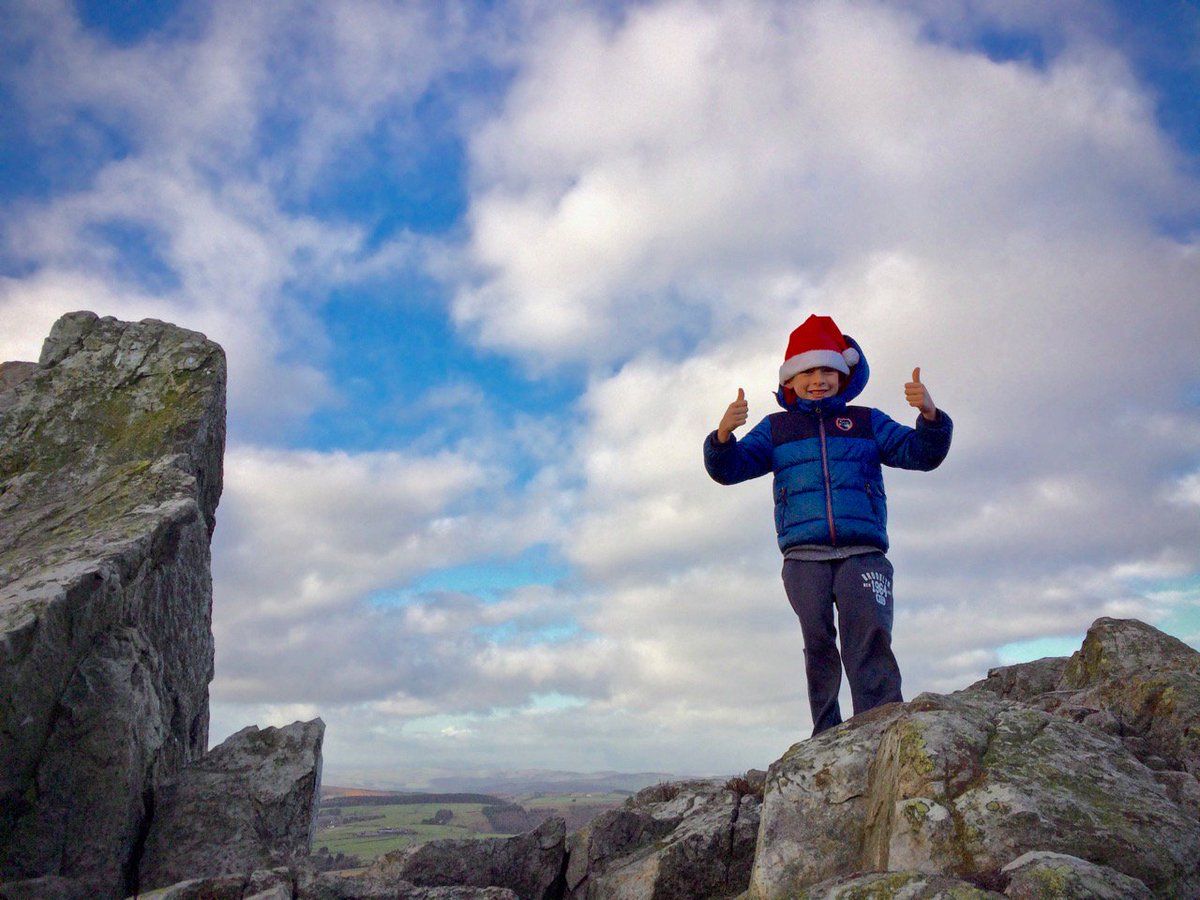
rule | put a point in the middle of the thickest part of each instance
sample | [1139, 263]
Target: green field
[468, 822]
[563, 801]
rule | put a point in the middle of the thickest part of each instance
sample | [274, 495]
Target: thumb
[741, 394]
[917, 375]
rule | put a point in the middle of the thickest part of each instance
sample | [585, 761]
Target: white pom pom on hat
[817, 342]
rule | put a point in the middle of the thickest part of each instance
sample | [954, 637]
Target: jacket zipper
[828, 487]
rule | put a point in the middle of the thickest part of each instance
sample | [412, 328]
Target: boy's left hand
[918, 395]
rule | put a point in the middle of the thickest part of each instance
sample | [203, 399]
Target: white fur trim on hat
[810, 359]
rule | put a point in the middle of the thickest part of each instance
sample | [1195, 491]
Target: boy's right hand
[735, 416]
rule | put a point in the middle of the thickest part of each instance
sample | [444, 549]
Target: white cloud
[1188, 490]
[302, 530]
[995, 223]
[206, 172]
[664, 193]
[646, 174]
[675, 192]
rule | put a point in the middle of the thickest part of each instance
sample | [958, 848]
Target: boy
[830, 506]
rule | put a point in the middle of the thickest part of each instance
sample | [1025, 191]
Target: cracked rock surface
[681, 839]
[906, 885]
[1057, 876]
[110, 471]
[283, 883]
[531, 864]
[1128, 679]
[962, 785]
[249, 803]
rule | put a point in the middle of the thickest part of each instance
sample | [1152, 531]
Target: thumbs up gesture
[735, 416]
[918, 395]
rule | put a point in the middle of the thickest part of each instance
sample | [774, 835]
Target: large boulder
[45, 887]
[248, 804]
[1149, 681]
[1129, 679]
[305, 884]
[896, 886]
[531, 865]
[110, 471]
[1040, 875]
[815, 806]
[962, 785]
[377, 886]
[680, 839]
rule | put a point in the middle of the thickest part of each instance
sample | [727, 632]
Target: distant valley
[357, 825]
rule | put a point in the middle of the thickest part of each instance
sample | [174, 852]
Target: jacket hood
[854, 386]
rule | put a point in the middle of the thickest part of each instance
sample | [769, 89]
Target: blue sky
[486, 273]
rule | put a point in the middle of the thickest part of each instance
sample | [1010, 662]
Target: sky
[487, 273]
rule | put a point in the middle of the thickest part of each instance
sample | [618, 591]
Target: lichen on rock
[960, 785]
[110, 473]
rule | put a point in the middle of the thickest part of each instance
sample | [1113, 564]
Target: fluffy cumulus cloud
[658, 194]
[194, 150]
[322, 550]
[658, 169]
[671, 192]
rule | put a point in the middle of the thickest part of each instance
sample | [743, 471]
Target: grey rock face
[683, 839]
[328, 886]
[247, 804]
[961, 785]
[1149, 681]
[264, 884]
[530, 865]
[897, 885]
[110, 471]
[815, 806]
[230, 887]
[1127, 679]
[48, 887]
[1056, 876]
[1024, 681]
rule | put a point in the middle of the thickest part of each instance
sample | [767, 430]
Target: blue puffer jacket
[826, 457]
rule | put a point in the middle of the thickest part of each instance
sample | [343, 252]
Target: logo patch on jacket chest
[845, 423]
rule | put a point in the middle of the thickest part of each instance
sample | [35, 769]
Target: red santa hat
[818, 342]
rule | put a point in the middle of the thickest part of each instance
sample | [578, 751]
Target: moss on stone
[911, 749]
[131, 432]
[882, 889]
[1051, 881]
[916, 812]
[889, 885]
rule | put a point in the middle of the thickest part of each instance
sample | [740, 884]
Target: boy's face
[813, 384]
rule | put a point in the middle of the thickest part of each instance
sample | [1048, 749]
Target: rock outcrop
[1086, 758]
[530, 865]
[1036, 876]
[110, 471]
[382, 887]
[247, 804]
[906, 885]
[304, 884]
[1127, 679]
[692, 838]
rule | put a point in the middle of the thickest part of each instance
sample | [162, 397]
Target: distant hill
[511, 784]
[532, 782]
[389, 798]
[329, 792]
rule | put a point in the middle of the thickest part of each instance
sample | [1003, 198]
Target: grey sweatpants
[861, 589]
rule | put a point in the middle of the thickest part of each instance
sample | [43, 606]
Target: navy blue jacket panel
[827, 457]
